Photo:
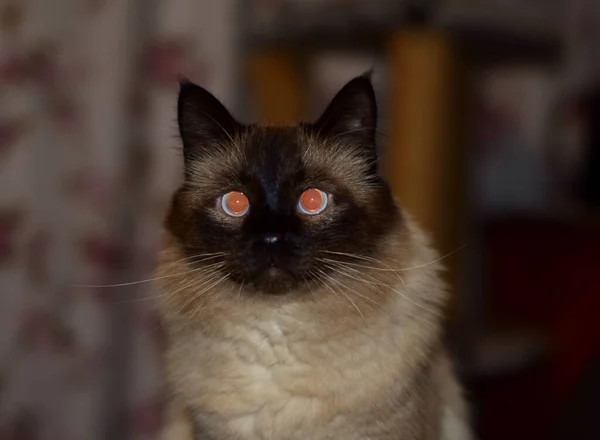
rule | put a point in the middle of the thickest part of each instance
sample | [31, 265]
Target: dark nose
[272, 238]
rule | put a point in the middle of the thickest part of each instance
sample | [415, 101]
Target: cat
[300, 300]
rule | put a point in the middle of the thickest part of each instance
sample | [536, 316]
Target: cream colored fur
[316, 369]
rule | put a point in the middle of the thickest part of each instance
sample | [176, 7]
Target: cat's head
[276, 210]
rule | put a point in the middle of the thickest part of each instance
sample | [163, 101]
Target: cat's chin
[273, 281]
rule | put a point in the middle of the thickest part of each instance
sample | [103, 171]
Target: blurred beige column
[425, 161]
[277, 86]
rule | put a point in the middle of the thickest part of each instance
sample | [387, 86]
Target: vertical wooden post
[425, 161]
[277, 87]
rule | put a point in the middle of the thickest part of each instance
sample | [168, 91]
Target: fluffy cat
[300, 301]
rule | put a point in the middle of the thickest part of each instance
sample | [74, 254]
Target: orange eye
[235, 204]
[312, 201]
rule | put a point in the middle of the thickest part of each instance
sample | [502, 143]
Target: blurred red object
[542, 274]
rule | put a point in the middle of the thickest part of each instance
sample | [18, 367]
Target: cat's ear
[204, 123]
[352, 114]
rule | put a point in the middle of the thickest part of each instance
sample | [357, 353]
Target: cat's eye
[312, 202]
[235, 204]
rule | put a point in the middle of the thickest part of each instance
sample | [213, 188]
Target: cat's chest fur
[280, 377]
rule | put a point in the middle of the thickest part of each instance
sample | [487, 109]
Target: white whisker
[342, 292]
[360, 257]
[339, 270]
[349, 288]
[212, 286]
[381, 269]
[197, 283]
[212, 275]
[437, 260]
[374, 260]
[148, 280]
[393, 289]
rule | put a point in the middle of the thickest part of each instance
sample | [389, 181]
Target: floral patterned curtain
[88, 161]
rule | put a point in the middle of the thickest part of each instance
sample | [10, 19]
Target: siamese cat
[301, 302]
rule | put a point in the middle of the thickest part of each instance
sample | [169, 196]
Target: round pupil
[312, 199]
[236, 202]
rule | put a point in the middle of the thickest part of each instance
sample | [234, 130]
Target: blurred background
[490, 121]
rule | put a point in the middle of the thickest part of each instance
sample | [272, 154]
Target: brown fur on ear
[204, 123]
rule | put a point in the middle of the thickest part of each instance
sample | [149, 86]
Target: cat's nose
[272, 238]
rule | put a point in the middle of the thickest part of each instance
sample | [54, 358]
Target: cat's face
[271, 209]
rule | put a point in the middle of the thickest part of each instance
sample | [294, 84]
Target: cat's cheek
[317, 221]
